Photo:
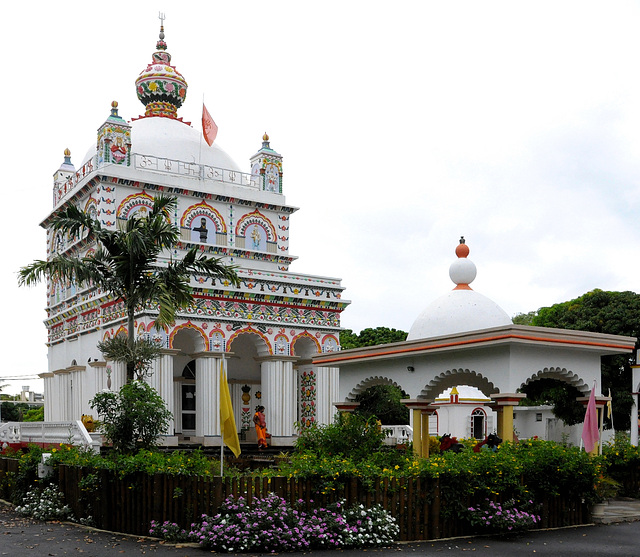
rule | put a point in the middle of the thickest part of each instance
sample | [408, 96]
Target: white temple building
[267, 330]
[464, 338]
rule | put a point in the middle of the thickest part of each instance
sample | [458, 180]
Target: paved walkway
[619, 510]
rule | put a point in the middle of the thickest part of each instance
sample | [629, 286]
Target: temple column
[208, 396]
[327, 391]
[420, 430]
[161, 379]
[635, 390]
[503, 404]
[49, 396]
[279, 397]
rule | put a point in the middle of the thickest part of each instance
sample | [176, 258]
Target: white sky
[403, 125]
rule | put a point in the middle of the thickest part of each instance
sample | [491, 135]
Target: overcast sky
[403, 126]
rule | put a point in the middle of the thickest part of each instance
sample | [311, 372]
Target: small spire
[114, 108]
[265, 141]
[161, 45]
[67, 153]
[462, 249]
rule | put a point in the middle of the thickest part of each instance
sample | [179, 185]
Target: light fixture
[411, 369]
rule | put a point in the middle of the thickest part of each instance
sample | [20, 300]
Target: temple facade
[267, 330]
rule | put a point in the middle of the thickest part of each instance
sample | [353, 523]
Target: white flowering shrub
[45, 504]
[370, 526]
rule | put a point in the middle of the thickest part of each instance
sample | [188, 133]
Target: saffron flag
[209, 128]
[590, 430]
[609, 408]
[227, 421]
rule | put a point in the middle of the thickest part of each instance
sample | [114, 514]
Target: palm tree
[125, 264]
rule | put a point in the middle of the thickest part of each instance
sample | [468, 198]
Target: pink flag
[590, 428]
[209, 128]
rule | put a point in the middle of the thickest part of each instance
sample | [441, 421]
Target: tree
[598, 311]
[370, 337]
[132, 418]
[383, 403]
[558, 394]
[126, 264]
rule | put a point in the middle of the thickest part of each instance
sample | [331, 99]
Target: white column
[48, 395]
[118, 375]
[635, 388]
[327, 392]
[161, 380]
[176, 410]
[280, 398]
[208, 396]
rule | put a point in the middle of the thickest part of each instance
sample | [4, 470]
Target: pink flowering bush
[494, 517]
[271, 525]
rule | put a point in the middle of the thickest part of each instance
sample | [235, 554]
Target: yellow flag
[609, 405]
[227, 421]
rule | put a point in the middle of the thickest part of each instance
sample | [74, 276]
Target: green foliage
[12, 412]
[383, 402]
[615, 313]
[524, 318]
[142, 353]
[558, 394]
[34, 415]
[175, 463]
[620, 461]
[132, 418]
[349, 435]
[370, 337]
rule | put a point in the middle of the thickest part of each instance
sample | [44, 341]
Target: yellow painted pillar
[507, 424]
[500, 420]
[417, 431]
[425, 434]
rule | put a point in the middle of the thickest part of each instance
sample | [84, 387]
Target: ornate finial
[161, 87]
[265, 141]
[67, 153]
[265, 137]
[161, 45]
[462, 240]
[114, 108]
[462, 271]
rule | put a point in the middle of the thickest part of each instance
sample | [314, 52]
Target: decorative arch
[216, 340]
[305, 335]
[189, 326]
[371, 382]
[264, 349]
[454, 377]
[159, 336]
[203, 209]
[122, 330]
[134, 203]
[479, 423]
[561, 374]
[330, 343]
[282, 345]
[91, 208]
[254, 231]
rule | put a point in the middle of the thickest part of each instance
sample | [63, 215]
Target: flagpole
[221, 424]
[200, 155]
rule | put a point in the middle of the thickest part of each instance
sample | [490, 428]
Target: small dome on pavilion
[460, 310]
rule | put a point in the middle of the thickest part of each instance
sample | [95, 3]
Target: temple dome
[460, 310]
[171, 139]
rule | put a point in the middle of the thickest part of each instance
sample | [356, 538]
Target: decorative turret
[160, 87]
[65, 172]
[266, 166]
[114, 140]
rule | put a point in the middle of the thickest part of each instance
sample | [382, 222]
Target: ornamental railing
[195, 170]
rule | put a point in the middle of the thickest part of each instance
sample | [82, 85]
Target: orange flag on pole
[209, 128]
[227, 421]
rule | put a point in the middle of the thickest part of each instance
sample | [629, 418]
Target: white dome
[458, 311]
[462, 309]
[172, 139]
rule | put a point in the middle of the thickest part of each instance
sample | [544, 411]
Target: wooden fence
[129, 504]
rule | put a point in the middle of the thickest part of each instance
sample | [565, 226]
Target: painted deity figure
[202, 229]
[255, 237]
